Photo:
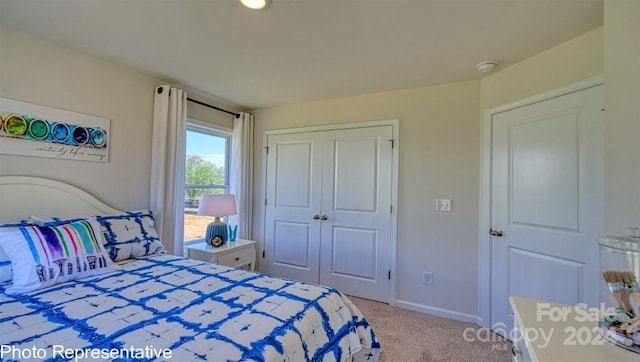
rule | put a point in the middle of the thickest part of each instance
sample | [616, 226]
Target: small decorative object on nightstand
[239, 254]
[233, 233]
[217, 205]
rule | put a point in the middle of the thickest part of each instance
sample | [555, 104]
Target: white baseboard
[445, 313]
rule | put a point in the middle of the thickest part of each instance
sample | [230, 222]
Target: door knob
[496, 232]
[324, 217]
[316, 217]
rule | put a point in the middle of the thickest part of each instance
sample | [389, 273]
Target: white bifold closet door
[328, 216]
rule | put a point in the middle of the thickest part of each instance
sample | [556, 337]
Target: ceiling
[304, 50]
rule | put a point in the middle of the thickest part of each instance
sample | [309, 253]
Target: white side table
[237, 254]
[546, 331]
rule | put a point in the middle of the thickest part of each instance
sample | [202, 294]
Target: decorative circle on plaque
[60, 132]
[98, 137]
[39, 129]
[15, 125]
[80, 135]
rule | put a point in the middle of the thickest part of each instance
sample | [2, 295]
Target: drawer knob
[237, 258]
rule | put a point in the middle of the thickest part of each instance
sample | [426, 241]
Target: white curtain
[167, 165]
[241, 176]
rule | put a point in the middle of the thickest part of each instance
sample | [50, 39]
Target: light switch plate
[443, 205]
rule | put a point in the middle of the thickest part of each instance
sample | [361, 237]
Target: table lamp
[217, 205]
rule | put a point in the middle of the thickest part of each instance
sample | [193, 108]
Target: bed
[119, 296]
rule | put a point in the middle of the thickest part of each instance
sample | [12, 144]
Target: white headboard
[23, 196]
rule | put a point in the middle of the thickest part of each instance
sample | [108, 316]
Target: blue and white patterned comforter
[178, 309]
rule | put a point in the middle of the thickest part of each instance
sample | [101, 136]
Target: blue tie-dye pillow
[129, 235]
[42, 256]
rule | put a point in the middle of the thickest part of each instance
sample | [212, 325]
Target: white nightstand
[236, 254]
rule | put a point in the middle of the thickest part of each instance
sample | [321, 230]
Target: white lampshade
[217, 205]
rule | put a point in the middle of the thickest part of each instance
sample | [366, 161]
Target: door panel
[546, 197]
[355, 177]
[292, 245]
[544, 177]
[568, 275]
[355, 246]
[348, 242]
[293, 174]
[292, 236]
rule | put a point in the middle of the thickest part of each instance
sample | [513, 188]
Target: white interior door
[355, 247]
[546, 195]
[327, 215]
[294, 178]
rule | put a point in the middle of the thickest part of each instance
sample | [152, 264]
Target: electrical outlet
[443, 205]
[427, 278]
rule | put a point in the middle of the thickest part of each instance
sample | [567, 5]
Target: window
[206, 171]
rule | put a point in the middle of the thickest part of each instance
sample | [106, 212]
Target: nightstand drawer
[202, 255]
[237, 258]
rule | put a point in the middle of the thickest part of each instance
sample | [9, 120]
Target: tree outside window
[203, 176]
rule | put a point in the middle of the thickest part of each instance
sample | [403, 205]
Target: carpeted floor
[409, 336]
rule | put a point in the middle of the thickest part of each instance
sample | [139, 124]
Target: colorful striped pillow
[45, 256]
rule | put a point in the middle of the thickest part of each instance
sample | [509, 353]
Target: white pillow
[6, 272]
[45, 256]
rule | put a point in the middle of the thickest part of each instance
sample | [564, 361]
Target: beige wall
[570, 62]
[439, 143]
[40, 72]
[43, 73]
[622, 115]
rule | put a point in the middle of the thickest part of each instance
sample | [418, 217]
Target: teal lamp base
[216, 228]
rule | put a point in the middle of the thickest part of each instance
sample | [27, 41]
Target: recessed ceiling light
[256, 4]
[486, 67]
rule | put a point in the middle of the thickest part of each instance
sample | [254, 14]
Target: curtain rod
[214, 107]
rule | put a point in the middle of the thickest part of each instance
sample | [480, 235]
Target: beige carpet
[409, 336]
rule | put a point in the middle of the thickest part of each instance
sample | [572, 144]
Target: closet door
[328, 216]
[294, 177]
[355, 237]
